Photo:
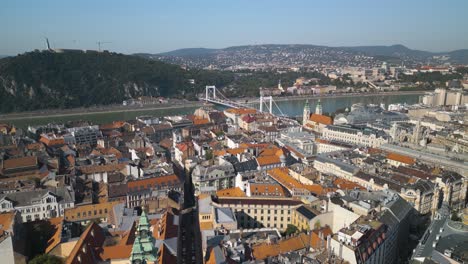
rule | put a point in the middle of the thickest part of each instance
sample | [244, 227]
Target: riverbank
[345, 95]
[96, 111]
[286, 105]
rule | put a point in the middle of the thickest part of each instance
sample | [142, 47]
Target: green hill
[45, 80]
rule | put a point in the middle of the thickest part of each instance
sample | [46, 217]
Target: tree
[291, 229]
[317, 225]
[46, 259]
[209, 154]
[455, 217]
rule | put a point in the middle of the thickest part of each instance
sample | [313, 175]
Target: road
[93, 111]
[189, 241]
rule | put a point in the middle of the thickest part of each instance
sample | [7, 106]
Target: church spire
[143, 250]
[318, 108]
[306, 113]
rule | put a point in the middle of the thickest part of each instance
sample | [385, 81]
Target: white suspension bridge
[214, 96]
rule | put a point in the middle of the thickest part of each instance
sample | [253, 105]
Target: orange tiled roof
[165, 227]
[241, 111]
[315, 241]
[347, 185]
[321, 119]
[231, 192]
[268, 160]
[110, 151]
[53, 241]
[6, 220]
[220, 153]
[114, 125]
[22, 162]
[116, 252]
[201, 121]
[282, 176]
[123, 249]
[91, 237]
[266, 189]
[264, 250]
[182, 146]
[270, 150]
[161, 180]
[401, 158]
[34, 146]
[235, 151]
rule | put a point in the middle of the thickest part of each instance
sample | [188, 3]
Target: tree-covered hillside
[40, 80]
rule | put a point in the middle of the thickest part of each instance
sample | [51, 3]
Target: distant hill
[399, 51]
[40, 80]
[304, 55]
[459, 56]
[190, 52]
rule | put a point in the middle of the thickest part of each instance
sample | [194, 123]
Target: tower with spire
[143, 250]
[306, 113]
[318, 108]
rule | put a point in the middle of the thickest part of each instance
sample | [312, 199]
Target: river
[293, 107]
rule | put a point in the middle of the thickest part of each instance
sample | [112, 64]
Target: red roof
[401, 158]
[321, 119]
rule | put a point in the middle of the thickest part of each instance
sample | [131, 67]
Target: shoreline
[50, 113]
[304, 97]
[85, 111]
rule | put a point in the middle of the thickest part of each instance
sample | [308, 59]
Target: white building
[38, 204]
[361, 136]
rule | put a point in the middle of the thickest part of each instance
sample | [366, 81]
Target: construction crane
[100, 43]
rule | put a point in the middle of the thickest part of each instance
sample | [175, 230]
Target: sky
[155, 26]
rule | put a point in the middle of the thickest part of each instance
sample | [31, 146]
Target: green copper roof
[137, 248]
[143, 247]
[306, 104]
[144, 222]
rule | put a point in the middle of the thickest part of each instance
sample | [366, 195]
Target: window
[95, 212]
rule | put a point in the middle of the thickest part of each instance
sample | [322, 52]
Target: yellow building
[257, 212]
[302, 217]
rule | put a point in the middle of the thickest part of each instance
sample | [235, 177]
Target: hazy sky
[155, 26]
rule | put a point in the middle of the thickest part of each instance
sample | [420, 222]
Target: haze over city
[159, 26]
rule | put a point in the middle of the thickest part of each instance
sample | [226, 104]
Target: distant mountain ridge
[204, 56]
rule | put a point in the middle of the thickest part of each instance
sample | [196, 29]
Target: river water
[332, 104]
[293, 107]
